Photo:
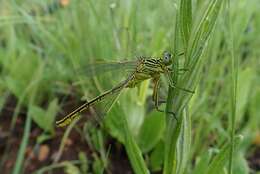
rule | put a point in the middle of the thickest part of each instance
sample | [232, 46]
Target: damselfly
[144, 68]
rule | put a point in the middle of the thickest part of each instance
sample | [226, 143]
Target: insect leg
[180, 69]
[156, 97]
[181, 54]
[155, 91]
[174, 86]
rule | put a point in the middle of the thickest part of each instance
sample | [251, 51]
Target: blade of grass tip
[233, 86]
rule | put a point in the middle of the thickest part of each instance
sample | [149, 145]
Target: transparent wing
[105, 106]
[113, 94]
[100, 68]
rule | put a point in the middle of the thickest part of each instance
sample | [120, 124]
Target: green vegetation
[45, 47]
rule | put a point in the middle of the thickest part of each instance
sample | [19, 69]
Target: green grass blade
[30, 91]
[124, 132]
[185, 20]
[133, 151]
[233, 86]
[172, 128]
[196, 47]
[184, 143]
[173, 131]
[201, 166]
[202, 32]
[20, 157]
[218, 162]
[151, 131]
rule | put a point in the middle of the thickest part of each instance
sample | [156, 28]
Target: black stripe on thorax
[151, 63]
[152, 60]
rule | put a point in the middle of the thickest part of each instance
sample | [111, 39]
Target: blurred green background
[45, 46]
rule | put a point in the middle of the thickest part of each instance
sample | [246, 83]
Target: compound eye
[167, 57]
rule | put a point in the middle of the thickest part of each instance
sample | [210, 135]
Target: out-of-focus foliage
[44, 45]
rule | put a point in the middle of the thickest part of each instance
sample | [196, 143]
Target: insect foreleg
[174, 86]
[156, 97]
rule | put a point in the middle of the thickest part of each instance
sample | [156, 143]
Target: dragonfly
[144, 68]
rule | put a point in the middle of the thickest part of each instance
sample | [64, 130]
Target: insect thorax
[148, 68]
